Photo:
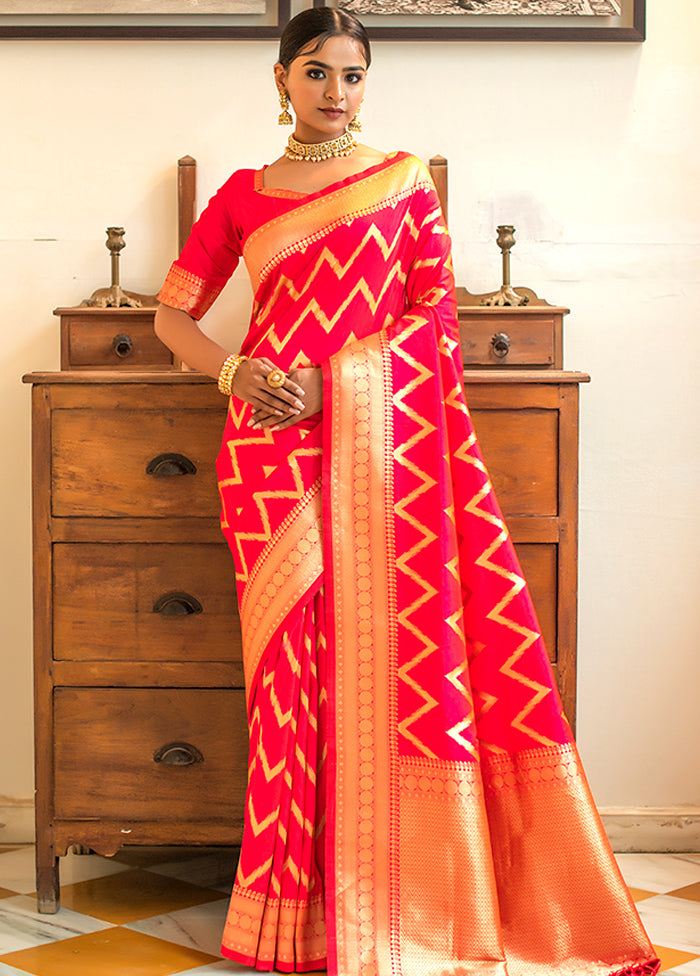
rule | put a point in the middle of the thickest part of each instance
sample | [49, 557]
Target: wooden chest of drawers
[141, 733]
[527, 424]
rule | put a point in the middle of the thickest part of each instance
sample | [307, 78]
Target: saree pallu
[416, 805]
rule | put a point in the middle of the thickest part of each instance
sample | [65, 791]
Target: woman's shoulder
[412, 170]
[240, 179]
[411, 161]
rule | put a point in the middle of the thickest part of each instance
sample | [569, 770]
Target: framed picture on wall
[206, 19]
[500, 20]
[481, 20]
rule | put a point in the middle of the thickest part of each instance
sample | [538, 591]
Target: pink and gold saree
[416, 805]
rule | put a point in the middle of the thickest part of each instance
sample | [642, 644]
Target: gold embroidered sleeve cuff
[187, 292]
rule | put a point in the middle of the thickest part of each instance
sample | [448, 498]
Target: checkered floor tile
[160, 912]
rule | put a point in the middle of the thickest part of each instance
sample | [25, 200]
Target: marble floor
[160, 911]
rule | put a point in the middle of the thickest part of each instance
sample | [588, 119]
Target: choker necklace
[314, 152]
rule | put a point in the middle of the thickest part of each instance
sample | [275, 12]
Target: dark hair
[318, 24]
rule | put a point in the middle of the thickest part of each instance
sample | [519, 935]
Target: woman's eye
[354, 78]
[315, 73]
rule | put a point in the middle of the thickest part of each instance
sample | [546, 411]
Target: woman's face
[325, 87]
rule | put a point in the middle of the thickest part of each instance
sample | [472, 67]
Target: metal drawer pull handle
[122, 345]
[167, 465]
[501, 344]
[178, 754]
[177, 604]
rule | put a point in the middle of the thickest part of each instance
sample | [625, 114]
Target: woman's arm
[182, 335]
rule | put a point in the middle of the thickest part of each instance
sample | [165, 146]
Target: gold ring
[276, 379]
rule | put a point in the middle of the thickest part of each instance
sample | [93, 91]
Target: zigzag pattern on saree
[406, 561]
[299, 290]
[283, 775]
[479, 505]
[486, 561]
[255, 538]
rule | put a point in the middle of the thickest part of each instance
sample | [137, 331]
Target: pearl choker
[314, 152]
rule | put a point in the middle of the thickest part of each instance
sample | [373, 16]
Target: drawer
[144, 602]
[525, 340]
[150, 754]
[112, 462]
[521, 451]
[113, 341]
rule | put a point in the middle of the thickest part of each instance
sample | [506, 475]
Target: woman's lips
[332, 113]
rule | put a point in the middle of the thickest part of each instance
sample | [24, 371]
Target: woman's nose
[334, 90]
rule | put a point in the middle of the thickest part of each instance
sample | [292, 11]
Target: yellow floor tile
[670, 958]
[132, 895]
[6, 893]
[112, 952]
[638, 894]
[691, 892]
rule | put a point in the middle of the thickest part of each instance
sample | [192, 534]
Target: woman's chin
[332, 129]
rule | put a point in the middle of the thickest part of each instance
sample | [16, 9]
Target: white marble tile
[6, 970]
[687, 969]
[22, 927]
[199, 927]
[672, 922]
[659, 872]
[228, 966]
[216, 968]
[17, 870]
[215, 869]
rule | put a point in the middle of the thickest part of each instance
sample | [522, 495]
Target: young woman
[415, 806]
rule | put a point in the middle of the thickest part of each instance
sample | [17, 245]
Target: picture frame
[143, 19]
[628, 26]
[259, 19]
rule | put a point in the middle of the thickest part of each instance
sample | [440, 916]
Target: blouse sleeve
[208, 259]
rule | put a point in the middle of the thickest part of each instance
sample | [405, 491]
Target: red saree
[416, 805]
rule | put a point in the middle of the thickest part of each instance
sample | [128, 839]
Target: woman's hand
[250, 384]
[310, 382]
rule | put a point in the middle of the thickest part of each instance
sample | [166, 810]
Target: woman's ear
[280, 76]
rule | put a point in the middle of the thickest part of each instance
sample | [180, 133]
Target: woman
[415, 801]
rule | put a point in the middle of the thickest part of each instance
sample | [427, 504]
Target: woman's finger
[293, 388]
[288, 422]
[265, 423]
[263, 417]
[263, 399]
[289, 385]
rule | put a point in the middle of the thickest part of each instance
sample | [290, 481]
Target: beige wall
[591, 150]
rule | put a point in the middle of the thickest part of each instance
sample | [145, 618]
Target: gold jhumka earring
[354, 125]
[285, 118]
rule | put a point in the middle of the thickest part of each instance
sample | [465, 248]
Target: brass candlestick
[506, 294]
[115, 296]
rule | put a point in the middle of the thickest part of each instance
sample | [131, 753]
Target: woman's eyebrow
[321, 64]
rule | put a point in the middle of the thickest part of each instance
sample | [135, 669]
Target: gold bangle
[228, 371]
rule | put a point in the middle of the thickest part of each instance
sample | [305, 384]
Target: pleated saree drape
[416, 805]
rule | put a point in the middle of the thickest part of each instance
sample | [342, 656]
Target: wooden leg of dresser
[47, 880]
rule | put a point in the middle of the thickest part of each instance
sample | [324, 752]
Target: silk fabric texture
[416, 805]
